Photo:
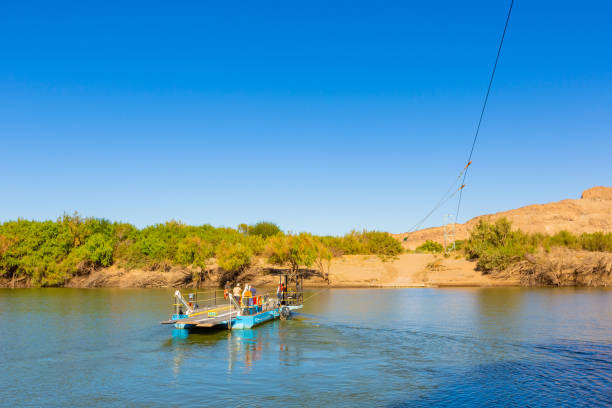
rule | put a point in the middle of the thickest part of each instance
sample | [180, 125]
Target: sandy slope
[409, 270]
[591, 213]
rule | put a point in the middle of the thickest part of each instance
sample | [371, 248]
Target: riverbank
[92, 252]
[406, 270]
[556, 267]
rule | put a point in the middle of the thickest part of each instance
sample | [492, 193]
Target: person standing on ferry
[237, 293]
[254, 297]
[280, 293]
[247, 298]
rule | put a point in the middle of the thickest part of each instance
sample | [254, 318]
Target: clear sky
[320, 116]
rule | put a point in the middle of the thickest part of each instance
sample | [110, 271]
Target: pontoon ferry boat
[221, 309]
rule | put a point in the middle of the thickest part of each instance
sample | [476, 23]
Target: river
[348, 347]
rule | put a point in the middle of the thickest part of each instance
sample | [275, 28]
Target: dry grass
[563, 267]
[435, 265]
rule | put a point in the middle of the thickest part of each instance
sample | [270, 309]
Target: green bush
[381, 243]
[192, 250]
[596, 241]
[565, 239]
[234, 257]
[47, 252]
[496, 246]
[430, 247]
[459, 245]
[99, 249]
[364, 243]
[50, 252]
[292, 250]
[264, 229]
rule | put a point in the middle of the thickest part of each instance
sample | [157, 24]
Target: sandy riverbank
[346, 271]
[556, 267]
[410, 270]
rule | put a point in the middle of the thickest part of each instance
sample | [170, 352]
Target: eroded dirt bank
[559, 267]
[346, 271]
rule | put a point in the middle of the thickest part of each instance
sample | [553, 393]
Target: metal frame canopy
[293, 289]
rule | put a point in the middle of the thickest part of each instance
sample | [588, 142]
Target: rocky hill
[590, 213]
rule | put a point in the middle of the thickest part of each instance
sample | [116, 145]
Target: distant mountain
[591, 213]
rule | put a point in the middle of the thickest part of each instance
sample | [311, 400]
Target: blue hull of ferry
[181, 325]
[239, 322]
[246, 322]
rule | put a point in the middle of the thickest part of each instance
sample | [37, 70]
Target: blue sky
[320, 116]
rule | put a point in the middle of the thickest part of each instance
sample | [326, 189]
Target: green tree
[323, 259]
[234, 258]
[381, 243]
[264, 229]
[99, 249]
[496, 246]
[192, 250]
[292, 250]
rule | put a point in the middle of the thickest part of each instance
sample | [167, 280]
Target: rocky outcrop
[591, 213]
[598, 193]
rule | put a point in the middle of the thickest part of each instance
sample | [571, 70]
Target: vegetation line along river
[85, 252]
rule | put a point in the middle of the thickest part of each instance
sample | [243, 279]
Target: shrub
[99, 249]
[49, 252]
[381, 243]
[459, 245]
[292, 250]
[564, 238]
[364, 243]
[234, 257]
[596, 241]
[264, 229]
[430, 247]
[496, 246]
[323, 259]
[193, 251]
[435, 265]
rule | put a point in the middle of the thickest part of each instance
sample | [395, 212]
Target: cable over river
[347, 347]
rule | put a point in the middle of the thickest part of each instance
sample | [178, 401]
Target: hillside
[590, 213]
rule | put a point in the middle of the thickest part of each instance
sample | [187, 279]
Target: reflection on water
[358, 347]
[244, 347]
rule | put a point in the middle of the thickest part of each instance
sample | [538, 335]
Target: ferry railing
[246, 306]
[291, 297]
[207, 298]
[233, 302]
[258, 303]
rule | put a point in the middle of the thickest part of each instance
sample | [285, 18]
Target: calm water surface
[353, 347]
